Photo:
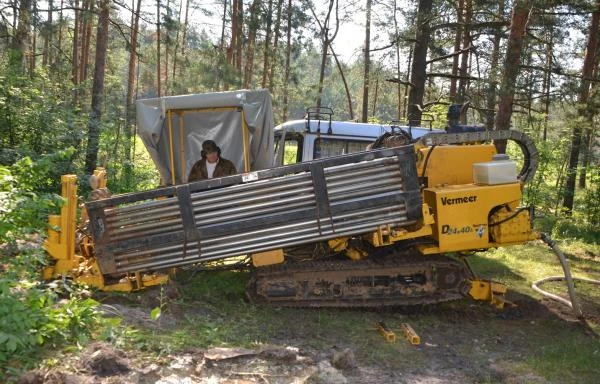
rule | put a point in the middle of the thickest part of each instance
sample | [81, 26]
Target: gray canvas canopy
[173, 128]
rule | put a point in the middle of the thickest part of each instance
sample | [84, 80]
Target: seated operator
[211, 164]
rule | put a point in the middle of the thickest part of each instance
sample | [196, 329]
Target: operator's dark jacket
[224, 168]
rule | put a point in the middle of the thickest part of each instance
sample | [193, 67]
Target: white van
[309, 139]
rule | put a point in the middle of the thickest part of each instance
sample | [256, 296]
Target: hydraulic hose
[574, 302]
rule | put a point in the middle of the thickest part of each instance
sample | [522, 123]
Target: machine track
[393, 280]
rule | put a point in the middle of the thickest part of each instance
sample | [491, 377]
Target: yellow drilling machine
[392, 225]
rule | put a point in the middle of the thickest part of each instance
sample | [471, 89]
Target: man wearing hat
[211, 164]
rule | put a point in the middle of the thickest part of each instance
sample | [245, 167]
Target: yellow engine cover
[461, 213]
[452, 164]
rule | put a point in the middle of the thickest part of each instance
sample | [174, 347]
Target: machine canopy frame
[173, 128]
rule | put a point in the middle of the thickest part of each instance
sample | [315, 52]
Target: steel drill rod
[154, 263]
[352, 167]
[341, 198]
[243, 212]
[255, 200]
[337, 176]
[234, 193]
[145, 226]
[253, 240]
[174, 210]
[144, 213]
[172, 207]
[164, 226]
[147, 232]
[350, 179]
[271, 183]
[223, 241]
[210, 240]
[189, 259]
[146, 204]
[314, 229]
[374, 182]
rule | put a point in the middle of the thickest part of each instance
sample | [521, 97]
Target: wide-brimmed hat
[210, 146]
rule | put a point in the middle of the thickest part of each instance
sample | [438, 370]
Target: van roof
[348, 128]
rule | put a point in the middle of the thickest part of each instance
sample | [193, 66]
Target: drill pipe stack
[264, 210]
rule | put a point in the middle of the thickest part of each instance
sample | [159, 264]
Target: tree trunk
[91, 156]
[240, 37]
[167, 43]
[419, 66]
[274, 56]
[184, 37]
[326, 41]
[374, 108]
[224, 20]
[76, 43]
[234, 33]
[584, 91]
[548, 81]
[288, 54]
[397, 37]
[60, 27]
[87, 22]
[588, 141]
[322, 71]
[464, 59]
[176, 49]
[267, 44]
[250, 47]
[457, 40]
[158, 37]
[348, 97]
[46, 55]
[494, 70]
[587, 149]
[22, 37]
[32, 53]
[409, 63]
[129, 105]
[366, 80]
[506, 93]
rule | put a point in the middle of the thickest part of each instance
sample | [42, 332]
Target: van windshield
[326, 147]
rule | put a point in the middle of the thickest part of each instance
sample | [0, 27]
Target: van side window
[290, 152]
[325, 147]
[292, 148]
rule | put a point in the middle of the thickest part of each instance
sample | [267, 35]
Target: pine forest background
[71, 70]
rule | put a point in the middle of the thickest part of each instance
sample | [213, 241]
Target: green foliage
[25, 194]
[33, 315]
[34, 117]
[591, 201]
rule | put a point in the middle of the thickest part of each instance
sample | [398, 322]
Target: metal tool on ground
[386, 332]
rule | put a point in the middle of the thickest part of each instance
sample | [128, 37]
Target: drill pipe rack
[253, 212]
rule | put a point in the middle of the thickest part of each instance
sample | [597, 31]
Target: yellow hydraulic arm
[61, 247]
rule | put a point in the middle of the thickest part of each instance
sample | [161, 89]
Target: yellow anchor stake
[386, 332]
[410, 334]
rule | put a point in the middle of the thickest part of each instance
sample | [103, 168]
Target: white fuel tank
[501, 170]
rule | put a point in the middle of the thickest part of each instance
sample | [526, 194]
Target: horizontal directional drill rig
[388, 226]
